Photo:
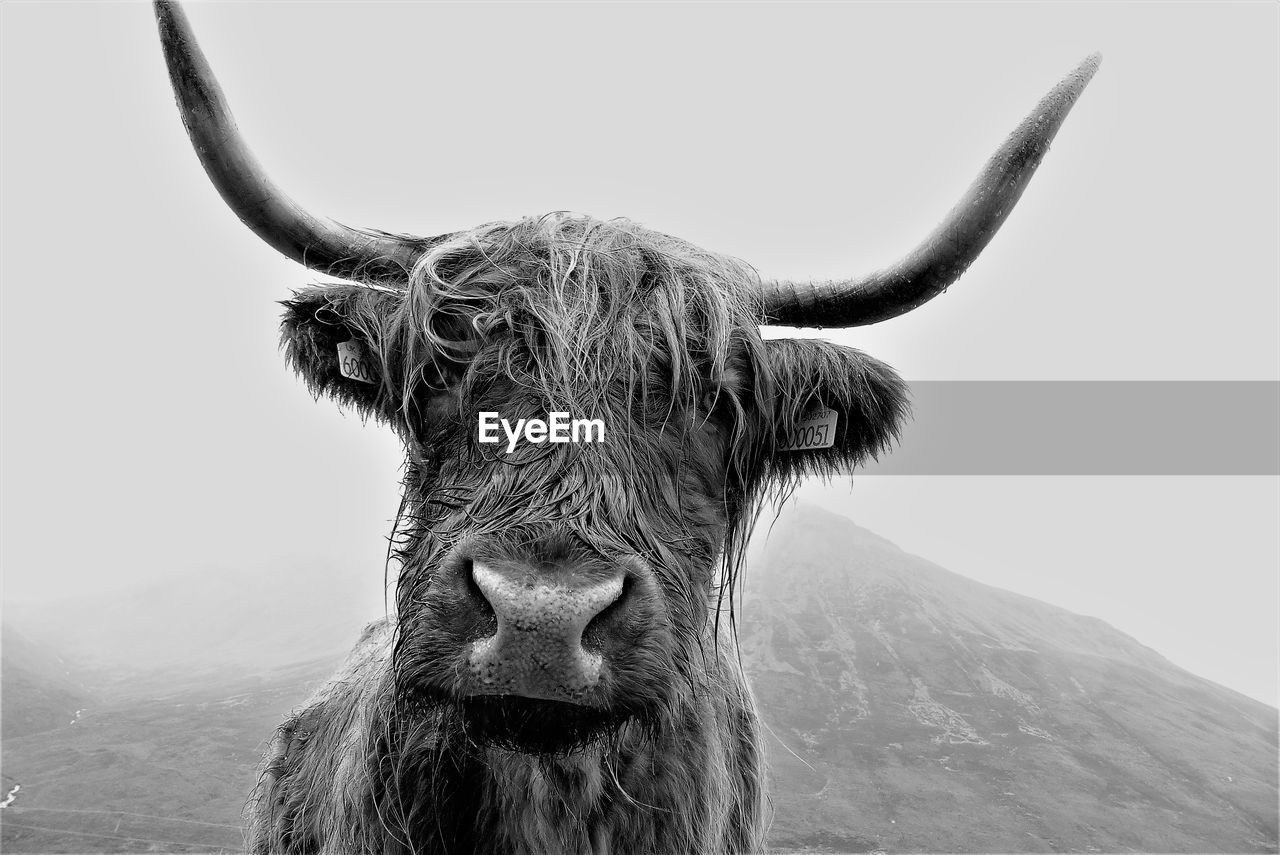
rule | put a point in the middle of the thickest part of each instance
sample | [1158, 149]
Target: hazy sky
[150, 428]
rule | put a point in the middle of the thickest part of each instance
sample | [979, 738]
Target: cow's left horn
[949, 250]
[317, 242]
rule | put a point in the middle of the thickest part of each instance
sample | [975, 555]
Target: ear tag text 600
[816, 429]
[352, 363]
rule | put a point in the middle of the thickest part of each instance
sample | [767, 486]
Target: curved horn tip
[1080, 76]
[950, 248]
[316, 242]
[1089, 65]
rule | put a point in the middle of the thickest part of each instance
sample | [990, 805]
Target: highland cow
[560, 673]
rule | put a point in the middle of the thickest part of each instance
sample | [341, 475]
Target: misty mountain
[39, 690]
[907, 709]
[226, 620]
[165, 767]
[913, 709]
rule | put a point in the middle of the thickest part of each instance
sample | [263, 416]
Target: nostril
[596, 626]
[467, 571]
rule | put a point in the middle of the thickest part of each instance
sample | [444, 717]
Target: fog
[152, 433]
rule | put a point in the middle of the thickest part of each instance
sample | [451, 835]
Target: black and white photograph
[631, 428]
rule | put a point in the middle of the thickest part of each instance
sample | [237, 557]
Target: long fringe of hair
[566, 305]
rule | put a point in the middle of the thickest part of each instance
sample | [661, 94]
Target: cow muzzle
[550, 627]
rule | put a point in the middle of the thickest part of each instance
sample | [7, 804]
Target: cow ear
[869, 399]
[339, 340]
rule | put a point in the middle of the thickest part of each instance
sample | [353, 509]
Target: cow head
[550, 590]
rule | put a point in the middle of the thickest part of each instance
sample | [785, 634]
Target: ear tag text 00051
[816, 429]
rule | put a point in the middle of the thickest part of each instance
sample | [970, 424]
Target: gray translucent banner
[1089, 428]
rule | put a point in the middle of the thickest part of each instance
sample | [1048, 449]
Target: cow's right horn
[317, 242]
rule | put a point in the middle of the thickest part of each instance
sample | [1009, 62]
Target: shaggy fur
[351, 773]
[657, 338]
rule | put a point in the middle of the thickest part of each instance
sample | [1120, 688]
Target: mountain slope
[224, 619]
[913, 709]
[909, 709]
[166, 769]
[40, 691]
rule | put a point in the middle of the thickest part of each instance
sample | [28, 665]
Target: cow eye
[714, 407]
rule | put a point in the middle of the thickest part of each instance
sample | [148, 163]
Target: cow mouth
[535, 725]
